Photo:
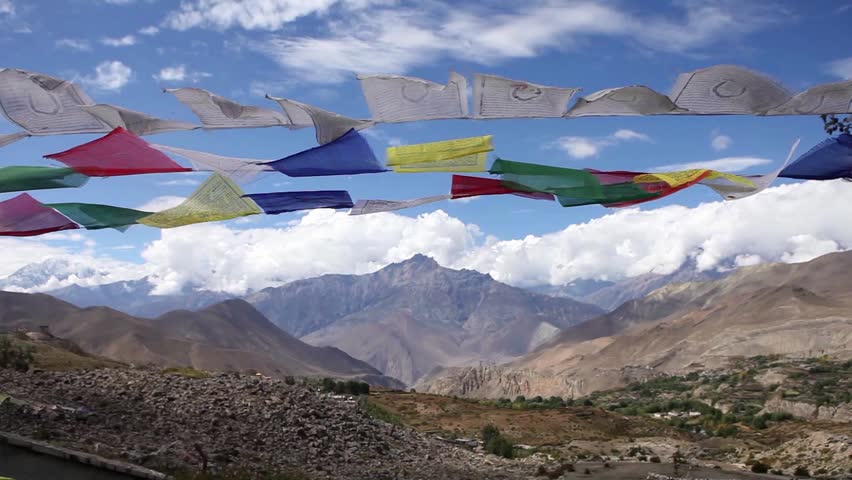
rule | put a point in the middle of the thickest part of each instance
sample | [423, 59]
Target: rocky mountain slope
[799, 310]
[410, 317]
[610, 295]
[228, 336]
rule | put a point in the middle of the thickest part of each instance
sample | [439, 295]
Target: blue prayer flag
[347, 155]
[828, 160]
[282, 202]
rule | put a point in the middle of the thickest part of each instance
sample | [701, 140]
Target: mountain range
[230, 335]
[799, 310]
[404, 319]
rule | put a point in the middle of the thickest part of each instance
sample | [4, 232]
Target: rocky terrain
[167, 422]
[795, 310]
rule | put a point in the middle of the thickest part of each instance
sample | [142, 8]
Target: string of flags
[44, 105]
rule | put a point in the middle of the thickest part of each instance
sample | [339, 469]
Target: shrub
[654, 459]
[289, 380]
[802, 472]
[759, 467]
[496, 443]
[12, 355]
[488, 432]
[587, 472]
[501, 446]
[520, 399]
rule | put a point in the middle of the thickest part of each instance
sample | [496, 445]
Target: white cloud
[623, 243]
[584, 147]
[322, 241]
[249, 14]
[581, 147]
[74, 44]
[119, 2]
[397, 39]
[841, 68]
[149, 30]
[179, 73]
[727, 164]
[625, 134]
[109, 75]
[620, 244]
[157, 204]
[721, 142]
[124, 41]
[7, 7]
[179, 183]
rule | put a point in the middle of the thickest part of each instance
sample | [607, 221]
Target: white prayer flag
[393, 99]
[219, 112]
[365, 207]
[44, 105]
[498, 97]
[730, 190]
[329, 126]
[135, 122]
[240, 170]
[727, 90]
[7, 138]
[623, 101]
[819, 100]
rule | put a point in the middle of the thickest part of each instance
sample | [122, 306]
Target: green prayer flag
[18, 179]
[571, 186]
[92, 216]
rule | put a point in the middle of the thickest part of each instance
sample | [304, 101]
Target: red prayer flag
[467, 186]
[117, 153]
[24, 216]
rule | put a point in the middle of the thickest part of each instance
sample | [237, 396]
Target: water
[22, 464]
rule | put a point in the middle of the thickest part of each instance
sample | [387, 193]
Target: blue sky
[124, 52]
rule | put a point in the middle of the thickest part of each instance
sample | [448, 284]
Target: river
[22, 464]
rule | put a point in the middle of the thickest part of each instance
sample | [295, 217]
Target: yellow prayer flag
[467, 163]
[674, 179]
[438, 151]
[732, 178]
[218, 198]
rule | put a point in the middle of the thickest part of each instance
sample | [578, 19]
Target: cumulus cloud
[399, 38]
[74, 44]
[727, 164]
[721, 142]
[788, 223]
[149, 30]
[179, 73]
[841, 68]
[624, 243]
[110, 75]
[124, 41]
[322, 241]
[584, 147]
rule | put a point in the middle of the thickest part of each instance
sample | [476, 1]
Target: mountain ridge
[231, 335]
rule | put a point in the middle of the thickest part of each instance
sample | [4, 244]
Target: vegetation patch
[379, 412]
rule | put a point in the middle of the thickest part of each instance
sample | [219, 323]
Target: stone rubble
[262, 425]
